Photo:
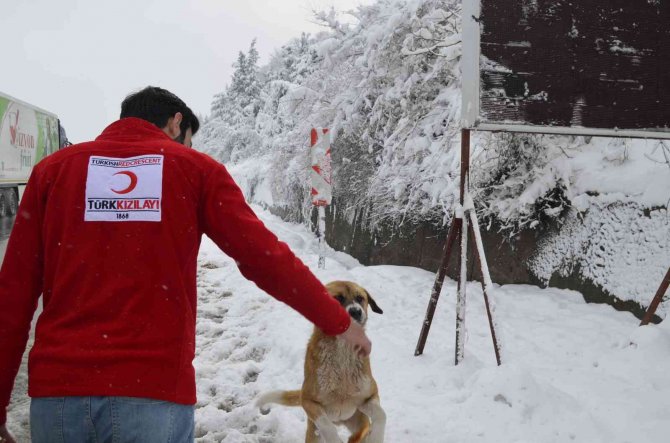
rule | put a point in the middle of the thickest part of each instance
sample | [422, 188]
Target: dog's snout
[356, 313]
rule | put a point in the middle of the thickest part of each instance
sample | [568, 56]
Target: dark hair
[157, 105]
[189, 121]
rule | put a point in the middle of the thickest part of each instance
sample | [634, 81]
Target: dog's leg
[373, 409]
[311, 436]
[324, 425]
[358, 425]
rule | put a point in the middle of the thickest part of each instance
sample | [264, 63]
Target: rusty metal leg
[486, 280]
[657, 299]
[454, 230]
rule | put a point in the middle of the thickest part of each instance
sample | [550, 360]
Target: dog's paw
[263, 402]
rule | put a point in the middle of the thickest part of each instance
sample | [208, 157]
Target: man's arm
[262, 258]
[20, 287]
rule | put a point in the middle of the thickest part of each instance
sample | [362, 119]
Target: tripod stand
[464, 222]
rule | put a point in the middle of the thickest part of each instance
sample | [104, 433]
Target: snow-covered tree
[230, 133]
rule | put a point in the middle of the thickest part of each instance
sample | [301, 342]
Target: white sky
[80, 58]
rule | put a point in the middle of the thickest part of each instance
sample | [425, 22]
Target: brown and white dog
[338, 388]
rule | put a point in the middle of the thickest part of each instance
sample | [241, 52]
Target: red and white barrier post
[322, 189]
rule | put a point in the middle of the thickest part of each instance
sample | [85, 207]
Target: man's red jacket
[108, 232]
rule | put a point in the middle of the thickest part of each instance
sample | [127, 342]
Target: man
[108, 233]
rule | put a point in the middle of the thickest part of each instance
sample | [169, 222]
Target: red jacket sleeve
[20, 287]
[262, 258]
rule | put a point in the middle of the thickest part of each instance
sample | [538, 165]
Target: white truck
[27, 134]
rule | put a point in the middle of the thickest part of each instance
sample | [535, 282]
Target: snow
[617, 232]
[572, 372]
[634, 168]
[616, 246]
[613, 228]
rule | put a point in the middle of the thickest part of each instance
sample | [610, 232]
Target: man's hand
[4, 435]
[355, 336]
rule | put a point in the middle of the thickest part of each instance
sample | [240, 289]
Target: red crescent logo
[131, 186]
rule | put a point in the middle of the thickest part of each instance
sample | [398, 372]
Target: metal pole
[463, 276]
[465, 161]
[657, 299]
[322, 237]
[460, 298]
[322, 192]
[454, 230]
[486, 281]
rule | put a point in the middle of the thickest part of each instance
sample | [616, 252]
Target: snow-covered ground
[572, 372]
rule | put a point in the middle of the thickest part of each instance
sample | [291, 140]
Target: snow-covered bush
[521, 180]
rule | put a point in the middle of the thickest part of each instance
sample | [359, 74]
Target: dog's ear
[373, 304]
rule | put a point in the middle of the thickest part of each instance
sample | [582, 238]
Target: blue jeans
[109, 420]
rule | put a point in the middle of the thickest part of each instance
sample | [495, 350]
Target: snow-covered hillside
[573, 372]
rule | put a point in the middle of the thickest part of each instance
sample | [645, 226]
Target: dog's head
[354, 299]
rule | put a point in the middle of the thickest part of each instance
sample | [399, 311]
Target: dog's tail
[286, 398]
